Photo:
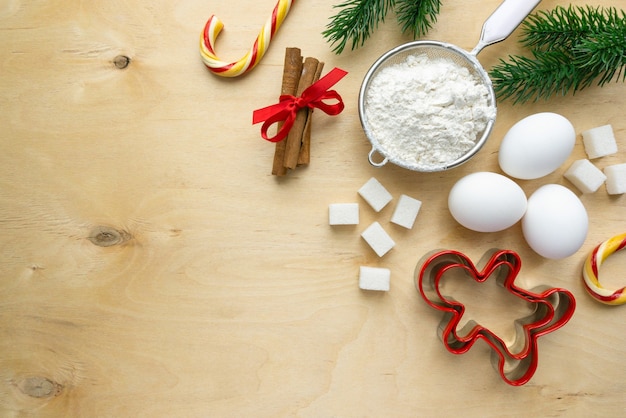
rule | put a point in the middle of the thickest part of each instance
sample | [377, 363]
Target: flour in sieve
[427, 111]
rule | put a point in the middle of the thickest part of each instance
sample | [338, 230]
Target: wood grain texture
[151, 266]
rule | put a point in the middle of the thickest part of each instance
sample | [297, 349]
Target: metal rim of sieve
[429, 48]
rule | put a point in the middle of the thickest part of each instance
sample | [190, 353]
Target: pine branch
[355, 22]
[524, 79]
[558, 28]
[602, 56]
[571, 49]
[417, 16]
[357, 19]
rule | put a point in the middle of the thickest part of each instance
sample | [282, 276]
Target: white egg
[486, 202]
[536, 146]
[555, 224]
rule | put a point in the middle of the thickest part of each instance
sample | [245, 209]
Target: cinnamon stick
[304, 158]
[292, 71]
[294, 138]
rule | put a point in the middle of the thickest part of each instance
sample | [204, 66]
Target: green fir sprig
[357, 20]
[570, 49]
[417, 16]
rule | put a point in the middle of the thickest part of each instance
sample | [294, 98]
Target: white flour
[427, 112]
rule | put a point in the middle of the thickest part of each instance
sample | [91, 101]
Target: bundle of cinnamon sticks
[298, 75]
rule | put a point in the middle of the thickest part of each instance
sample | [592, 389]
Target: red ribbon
[288, 105]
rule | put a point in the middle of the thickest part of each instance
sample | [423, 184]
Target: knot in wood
[104, 236]
[121, 61]
[39, 387]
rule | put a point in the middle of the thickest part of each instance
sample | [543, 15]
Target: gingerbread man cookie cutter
[517, 362]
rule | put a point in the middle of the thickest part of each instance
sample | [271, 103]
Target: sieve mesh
[432, 50]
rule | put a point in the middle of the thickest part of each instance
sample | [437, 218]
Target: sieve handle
[503, 21]
[373, 161]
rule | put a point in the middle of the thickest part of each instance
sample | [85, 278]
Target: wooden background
[152, 267]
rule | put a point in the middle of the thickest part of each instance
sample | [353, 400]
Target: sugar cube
[343, 214]
[374, 193]
[406, 211]
[615, 179]
[374, 278]
[599, 142]
[378, 239]
[585, 176]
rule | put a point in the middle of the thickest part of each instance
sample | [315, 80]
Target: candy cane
[214, 26]
[591, 270]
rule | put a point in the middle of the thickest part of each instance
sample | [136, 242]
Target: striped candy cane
[591, 271]
[233, 69]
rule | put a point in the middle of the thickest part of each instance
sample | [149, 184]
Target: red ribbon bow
[288, 106]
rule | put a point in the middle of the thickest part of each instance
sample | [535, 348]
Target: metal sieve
[496, 28]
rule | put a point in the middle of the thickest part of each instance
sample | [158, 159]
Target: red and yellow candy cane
[592, 268]
[233, 69]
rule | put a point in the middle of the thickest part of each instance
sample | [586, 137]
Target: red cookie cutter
[517, 362]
